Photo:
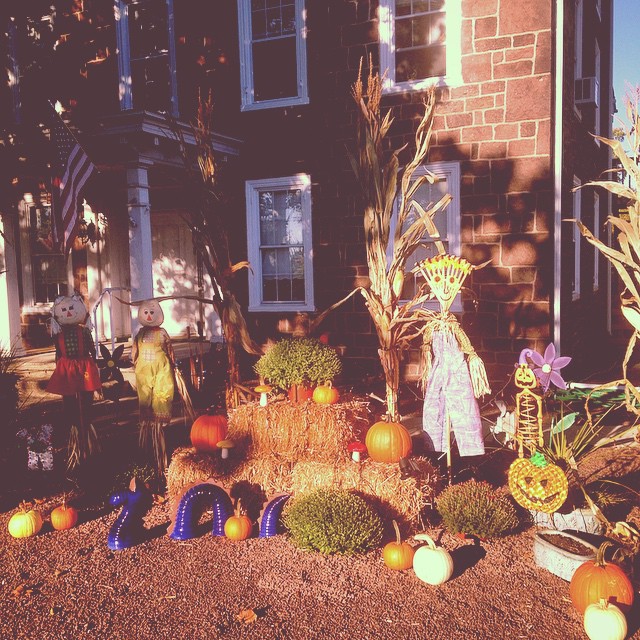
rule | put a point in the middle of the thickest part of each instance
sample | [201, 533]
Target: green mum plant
[333, 521]
[297, 361]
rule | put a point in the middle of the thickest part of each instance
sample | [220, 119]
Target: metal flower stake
[454, 375]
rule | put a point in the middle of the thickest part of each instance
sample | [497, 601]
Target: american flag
[69, 177]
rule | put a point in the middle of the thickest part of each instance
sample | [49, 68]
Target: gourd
[238, 526]
[388, 442]
[604, 621]
[597, 579]
[537, 484]
[398, 555]
[207, 431]
[432, 564]
[25, 523]
[64, 517]
[325, 394]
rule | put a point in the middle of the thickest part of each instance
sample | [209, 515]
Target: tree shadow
[466, 557]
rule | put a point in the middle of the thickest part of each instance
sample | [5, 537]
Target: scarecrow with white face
[154, 361]
[76, 375]
[454, 375]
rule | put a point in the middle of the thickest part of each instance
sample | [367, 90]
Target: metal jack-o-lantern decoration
[528, 409]
[537, 484]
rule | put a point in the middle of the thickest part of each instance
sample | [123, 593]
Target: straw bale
[273, 475]
[187, 467]
[306, 431]
[403, 500]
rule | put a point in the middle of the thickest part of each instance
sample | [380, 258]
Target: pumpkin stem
[600, 561]
[397, 530]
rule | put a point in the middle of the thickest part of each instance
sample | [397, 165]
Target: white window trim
[125, 78]
[596, 233]
[386, 28]
[577, 238]
[451, 172]
[300, 181]
[246, 61]
[577, 48]
[597, 73]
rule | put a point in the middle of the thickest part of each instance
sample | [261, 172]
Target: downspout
[610, 196]
[557, 171]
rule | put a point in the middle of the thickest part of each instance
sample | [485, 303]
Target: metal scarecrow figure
[454, 375]
[76, 375]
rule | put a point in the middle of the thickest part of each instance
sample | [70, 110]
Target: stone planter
[561, 562]
[577, 520]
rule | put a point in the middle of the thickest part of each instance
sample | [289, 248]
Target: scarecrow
[76, 375]
[454, 375]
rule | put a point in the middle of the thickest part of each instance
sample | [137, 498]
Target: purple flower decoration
[546, 367]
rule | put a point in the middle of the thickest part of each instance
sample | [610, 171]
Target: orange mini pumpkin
[398, 555]
[238, 526]
[64, 517]
[207, 431]
[325, 394]
[596, 579]
[388, 442]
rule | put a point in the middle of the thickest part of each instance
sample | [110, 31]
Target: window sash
[577, 240]
[280, 244]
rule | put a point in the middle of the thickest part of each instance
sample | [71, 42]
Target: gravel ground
[164, 589]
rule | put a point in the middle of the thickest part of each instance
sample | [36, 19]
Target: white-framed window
[447, 222]
[577, 45]
[599, 9]
[577, 238]
[596, 233]
[273, 53]
[420, 43]
[279, 244]
[597, 71]
[146, 55]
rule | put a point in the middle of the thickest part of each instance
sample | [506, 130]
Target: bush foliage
[476, 508]
[333, 521]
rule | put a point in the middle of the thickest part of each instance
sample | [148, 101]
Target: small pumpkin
[325, 394]
[25, 523]
[207, 431]
[537, 484]
[239, 525]
[388, 442]
[64, 517]
[604, 621]
[398, 555]
[432, 564]
[597, 579]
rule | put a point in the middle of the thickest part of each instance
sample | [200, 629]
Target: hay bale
[187, 467]
[271, 474]
[306, 431]
[393, 497]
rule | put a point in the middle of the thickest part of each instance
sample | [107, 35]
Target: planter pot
[299, 393]
[562, 562]
[577, 520]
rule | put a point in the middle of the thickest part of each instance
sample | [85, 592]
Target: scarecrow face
[69, 310]
[525, 378]
[445, 275]
[150, 314]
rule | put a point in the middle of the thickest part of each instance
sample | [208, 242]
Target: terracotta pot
[299, 393]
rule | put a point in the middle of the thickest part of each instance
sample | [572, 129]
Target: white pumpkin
[604, 621]
[432, 564]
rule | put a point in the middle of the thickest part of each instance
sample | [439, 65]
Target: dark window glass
[275, 72]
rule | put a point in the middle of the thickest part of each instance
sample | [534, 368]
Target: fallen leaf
[60, 572]
[247, 616]
[22, 590]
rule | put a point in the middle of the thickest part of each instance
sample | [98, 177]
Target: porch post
[140, 256]
[10, 336]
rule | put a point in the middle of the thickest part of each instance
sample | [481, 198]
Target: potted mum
[296, 365]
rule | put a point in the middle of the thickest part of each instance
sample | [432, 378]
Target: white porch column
[140, 256]
[9, 300]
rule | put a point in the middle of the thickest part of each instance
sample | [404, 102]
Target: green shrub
[476, 508]
[333, 521]
[298, 360]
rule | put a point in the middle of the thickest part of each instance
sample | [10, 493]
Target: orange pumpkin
[64, 517]
[398, 555]
[388, 442]
[325, 394]
[207, 431]
[596, 579]
[238, 526]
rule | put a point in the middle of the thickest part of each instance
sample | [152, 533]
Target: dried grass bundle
[307, 431]
[273, 475]
[379, 482]
[188, 466]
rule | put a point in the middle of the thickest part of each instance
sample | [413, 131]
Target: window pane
[49, 268]
[148, 29]
[275, 73]
[151, 83]
[421, 63]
